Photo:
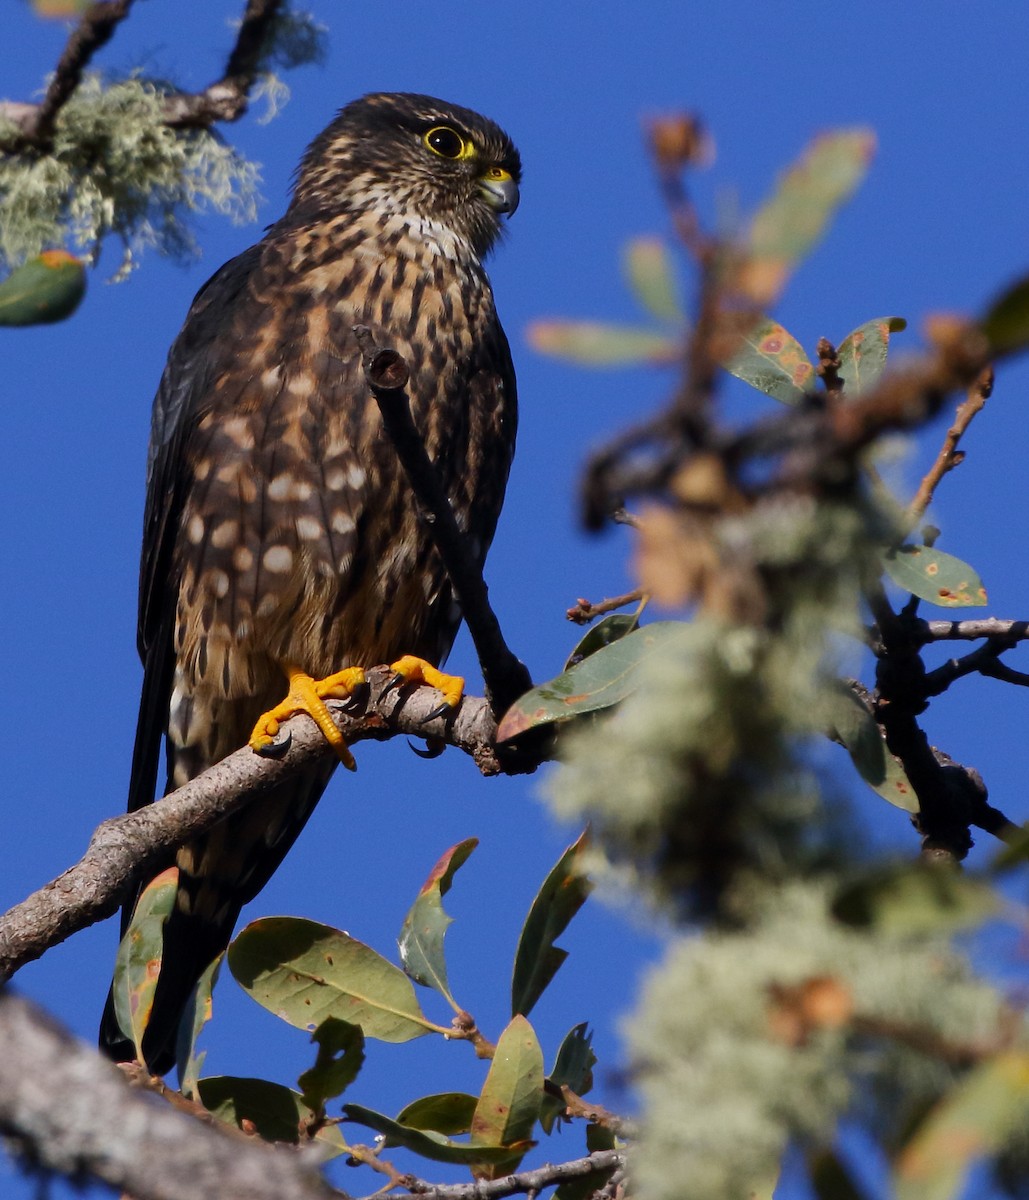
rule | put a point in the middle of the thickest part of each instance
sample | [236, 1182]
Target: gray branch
[124, 847]
[69, 1110]
[602, 1162]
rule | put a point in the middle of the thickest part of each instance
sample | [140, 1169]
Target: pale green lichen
[115, 169]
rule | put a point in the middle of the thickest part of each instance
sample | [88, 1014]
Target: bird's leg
[307, 695]
[410, 669]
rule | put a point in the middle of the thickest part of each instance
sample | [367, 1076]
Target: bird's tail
[218, 874]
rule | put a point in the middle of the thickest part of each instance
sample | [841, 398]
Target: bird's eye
[446, 142]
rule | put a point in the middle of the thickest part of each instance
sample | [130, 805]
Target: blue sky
[940, 224]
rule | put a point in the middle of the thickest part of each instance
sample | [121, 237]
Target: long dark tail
[217, 876]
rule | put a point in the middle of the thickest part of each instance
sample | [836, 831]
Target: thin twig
[583, 611]
[949, 456]
[506, 678]
[972, 630]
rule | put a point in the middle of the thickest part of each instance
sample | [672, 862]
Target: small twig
[506, 678]
[980, 660]
[949, 456]
[596, 1114]
[828, 369]
[583, 611]
[463, 1028]
[1006, 674]
[598, 1163]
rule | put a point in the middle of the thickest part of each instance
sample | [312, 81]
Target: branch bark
[124, 847]
[71, 1111]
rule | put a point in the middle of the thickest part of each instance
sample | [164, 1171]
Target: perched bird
[281, 540]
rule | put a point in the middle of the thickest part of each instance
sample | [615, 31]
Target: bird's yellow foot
[307, 695]
[416, 670]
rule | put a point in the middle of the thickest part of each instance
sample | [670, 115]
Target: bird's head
[398, 153]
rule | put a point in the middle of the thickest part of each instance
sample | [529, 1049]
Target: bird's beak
[499, 190]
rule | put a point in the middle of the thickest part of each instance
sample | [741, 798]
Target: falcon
[283, 550]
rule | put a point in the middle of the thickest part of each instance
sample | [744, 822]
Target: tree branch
[224, 100]
[71, 1111]
[506, 678]
[530, 1182]
[124, 847]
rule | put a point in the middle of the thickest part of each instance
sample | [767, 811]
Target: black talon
[440, 711]
[434, 747]
[396, 682]
[276, 749]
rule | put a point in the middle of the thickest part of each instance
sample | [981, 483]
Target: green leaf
[305, 972]
[537, 959]
[607, 676]
[573, 1067]
[830, 1177]
[862, 353]
[510, 1101]
[428, 1143]
[852, 724]
[139, 956]
[43, 290]
[932, 575]
[911, 899]
[610, 629]
[974, 1119]
[339, 1059]
[448, 1113]
[793, 219]
[195, 1016]
[426, 924]
[651, 277]
[603, 344]
[773, 361]
[1006, 323]
[275, 1112]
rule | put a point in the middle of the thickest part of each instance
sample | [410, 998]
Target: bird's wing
[195, 357]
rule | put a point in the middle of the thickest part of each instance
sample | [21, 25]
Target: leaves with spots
[975, 1118]
[537, 959]
[862, 353]
[603, 343]
[139, 956]
[304, 972]
[773, 361]
[45, 289]
[849, 722]
[599, 681]
[573, 1067]
[512, 1095]
[427, 1142]
[1006, 323]
[912, 899]
[195, 1016]
[339, 1059]
[651, 276]
[793, 219]
[932, 575]
[426, 924]
[276, 1113]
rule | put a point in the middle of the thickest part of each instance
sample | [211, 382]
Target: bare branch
[224, 100]
[387, 374]
[73, 1112]
[582, 611]
[124, 847]
[949, 456]
[529, 1182]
